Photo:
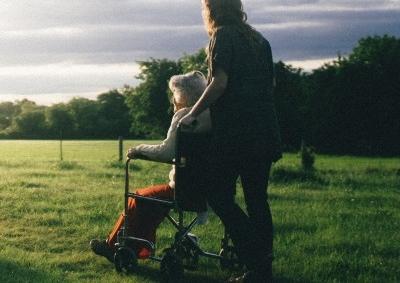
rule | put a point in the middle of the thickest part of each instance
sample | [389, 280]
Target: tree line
[348, 106]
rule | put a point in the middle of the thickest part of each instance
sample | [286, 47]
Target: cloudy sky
[53, 50]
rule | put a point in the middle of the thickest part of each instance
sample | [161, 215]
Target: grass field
[340, 223]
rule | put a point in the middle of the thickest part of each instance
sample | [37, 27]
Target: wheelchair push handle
[128, 160]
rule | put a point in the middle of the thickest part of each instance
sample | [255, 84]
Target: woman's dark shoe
[100, 247]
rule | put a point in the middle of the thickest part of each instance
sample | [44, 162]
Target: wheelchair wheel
[229, 259]
[190, 256]
[171, 267]
[125, 260]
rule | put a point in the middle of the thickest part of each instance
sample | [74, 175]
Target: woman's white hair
[188, 88]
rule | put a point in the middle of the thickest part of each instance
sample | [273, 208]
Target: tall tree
[60, 121]
[290, 100]
[356, 100]
[114, 115]
[149, 102]
[31, 124]
[7, 112]
[86, 116]
[196, 61]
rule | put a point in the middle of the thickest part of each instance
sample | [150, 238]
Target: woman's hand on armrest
[132, 153]
[136, 153]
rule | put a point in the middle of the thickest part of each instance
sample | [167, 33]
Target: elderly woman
[144, 218]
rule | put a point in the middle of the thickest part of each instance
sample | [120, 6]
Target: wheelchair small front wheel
[171, 267]
[125, 260]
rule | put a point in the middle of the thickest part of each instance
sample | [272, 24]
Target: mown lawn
[339, 223]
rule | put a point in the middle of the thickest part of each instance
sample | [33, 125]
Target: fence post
[121, 146]
[61, 146]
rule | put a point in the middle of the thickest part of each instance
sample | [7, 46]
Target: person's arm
[165, 151]
[214, 90]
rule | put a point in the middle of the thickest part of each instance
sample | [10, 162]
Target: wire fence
[68, 150]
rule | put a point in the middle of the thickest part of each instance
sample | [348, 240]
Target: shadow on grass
[31, 185]
[67, 165]
[152, 273]
[105, 175]
[294, 229]
[386, 178]
[11, 164]
[278, 278]
[382, 171]
[121, 165]
[13, 272]
[41, 175]
[299, 199]
[294, 175]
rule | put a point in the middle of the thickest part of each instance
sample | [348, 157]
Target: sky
[54, 50]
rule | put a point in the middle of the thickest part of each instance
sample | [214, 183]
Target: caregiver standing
[246, 138]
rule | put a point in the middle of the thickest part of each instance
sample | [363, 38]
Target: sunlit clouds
[75, 47]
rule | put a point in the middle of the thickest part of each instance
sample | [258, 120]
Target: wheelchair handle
[128, 160]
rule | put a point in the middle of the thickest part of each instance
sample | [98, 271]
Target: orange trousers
[143, 217]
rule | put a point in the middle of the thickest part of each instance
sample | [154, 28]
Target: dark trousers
[251, 233]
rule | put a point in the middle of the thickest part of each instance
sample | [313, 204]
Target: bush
[307, 154]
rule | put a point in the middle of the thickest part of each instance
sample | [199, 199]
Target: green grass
[339, 223]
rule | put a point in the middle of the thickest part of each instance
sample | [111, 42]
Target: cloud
[58, 81]
[63, 45]
[309, 65]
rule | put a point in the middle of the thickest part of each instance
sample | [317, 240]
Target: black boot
[100, 247]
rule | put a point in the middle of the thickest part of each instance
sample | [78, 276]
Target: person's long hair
[217, 13]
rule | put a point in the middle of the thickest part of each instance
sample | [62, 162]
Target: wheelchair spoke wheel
[171, 267]
[125, 260]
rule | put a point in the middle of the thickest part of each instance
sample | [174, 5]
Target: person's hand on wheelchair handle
[188, 120]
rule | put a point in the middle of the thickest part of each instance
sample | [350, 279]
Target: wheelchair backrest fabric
[191, 178]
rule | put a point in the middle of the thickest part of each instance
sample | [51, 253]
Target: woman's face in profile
[178, 105]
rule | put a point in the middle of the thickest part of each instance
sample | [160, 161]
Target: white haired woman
[144, 218]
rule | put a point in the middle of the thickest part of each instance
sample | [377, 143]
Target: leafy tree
[149, 102]
[86, 117]
[349, 106]
[355, 100]
[26, 105]
[60, 121]
[31, 124]
[290, 100]
[114, 115]
[7, 112]
[196, 61]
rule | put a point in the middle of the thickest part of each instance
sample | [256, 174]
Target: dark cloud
[121, 32]
[111, 32]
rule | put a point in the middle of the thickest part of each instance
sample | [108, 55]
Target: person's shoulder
[261, 39]
[260, 36]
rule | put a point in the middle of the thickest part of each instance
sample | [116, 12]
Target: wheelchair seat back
[191, 161]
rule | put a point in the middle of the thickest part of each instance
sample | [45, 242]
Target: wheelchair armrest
[146, 158]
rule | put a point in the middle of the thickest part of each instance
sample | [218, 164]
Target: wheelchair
[184, 251]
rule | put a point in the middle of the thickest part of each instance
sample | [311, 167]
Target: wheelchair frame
[184, 251]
